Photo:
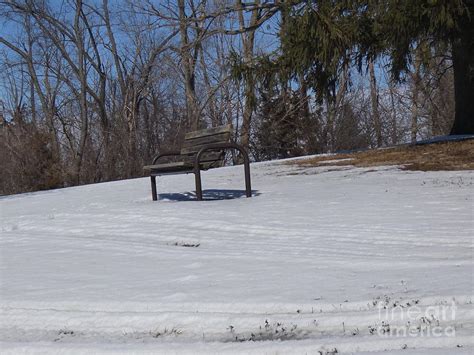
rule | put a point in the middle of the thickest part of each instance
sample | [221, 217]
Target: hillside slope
[315, 261]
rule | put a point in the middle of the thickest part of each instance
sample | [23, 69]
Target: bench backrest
[194, 141]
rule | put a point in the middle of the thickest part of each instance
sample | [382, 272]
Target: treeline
[91, 90]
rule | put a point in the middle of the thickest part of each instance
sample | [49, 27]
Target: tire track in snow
[354, 322]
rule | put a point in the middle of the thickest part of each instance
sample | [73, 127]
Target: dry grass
[429, 157]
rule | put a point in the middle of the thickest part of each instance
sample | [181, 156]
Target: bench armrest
[165, 154]
[223, 146]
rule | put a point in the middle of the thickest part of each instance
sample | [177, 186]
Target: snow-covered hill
[319, 260]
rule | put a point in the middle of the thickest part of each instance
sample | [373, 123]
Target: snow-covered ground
[319, 260]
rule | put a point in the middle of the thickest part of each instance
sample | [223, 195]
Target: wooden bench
[201, 150]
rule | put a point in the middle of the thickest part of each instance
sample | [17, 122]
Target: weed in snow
[268, 331]
[186, 244]
[64, 332]
[166, 332]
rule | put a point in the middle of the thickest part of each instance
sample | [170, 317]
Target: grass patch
[428, 157]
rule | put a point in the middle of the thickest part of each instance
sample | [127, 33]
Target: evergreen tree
[279, 119]
[319, 37]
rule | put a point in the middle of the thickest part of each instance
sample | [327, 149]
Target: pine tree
[319, 37]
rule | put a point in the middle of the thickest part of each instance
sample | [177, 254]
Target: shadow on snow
[209, 195]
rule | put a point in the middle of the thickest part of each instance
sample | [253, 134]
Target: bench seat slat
[205, 157]
[216, 138]
[187, 165]
[208, 132]
[168, 166]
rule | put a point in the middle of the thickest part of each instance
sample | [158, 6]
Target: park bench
[201, 150]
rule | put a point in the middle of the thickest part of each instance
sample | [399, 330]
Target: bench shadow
[207, 195]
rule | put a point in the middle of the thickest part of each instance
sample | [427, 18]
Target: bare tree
[248, 44]
[375, 103]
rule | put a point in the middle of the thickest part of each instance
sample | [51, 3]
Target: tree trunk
[463, 64]
[394, 127]
[414, 99]
[132, 110]
[83, 110]
[188, 58]
[248, 43]
[375, 104]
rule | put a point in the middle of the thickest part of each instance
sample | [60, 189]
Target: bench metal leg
[248, 187]
[153, 188]
[197, 176]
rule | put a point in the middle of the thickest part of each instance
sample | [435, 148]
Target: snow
[305, 265]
